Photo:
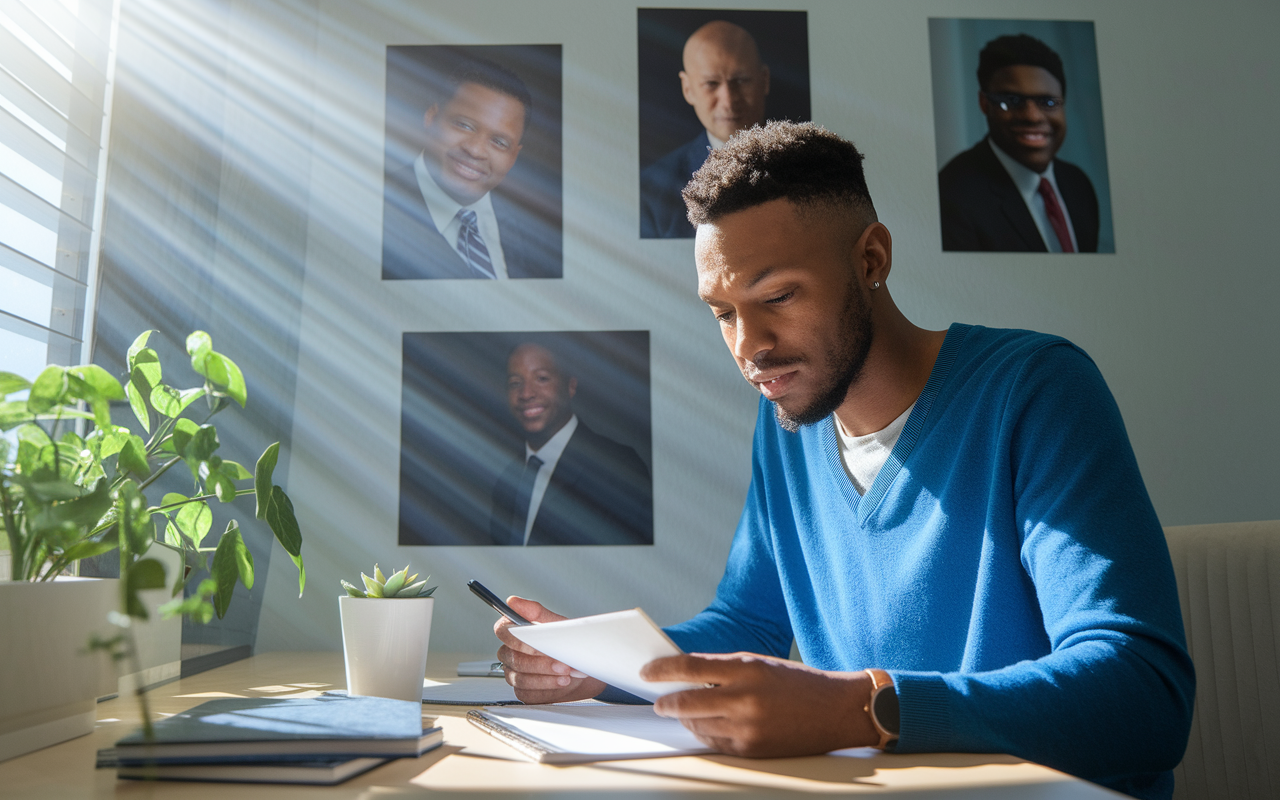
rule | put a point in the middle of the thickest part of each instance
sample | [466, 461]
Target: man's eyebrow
[757, 278]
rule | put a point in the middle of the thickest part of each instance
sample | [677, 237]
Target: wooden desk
[475, 766]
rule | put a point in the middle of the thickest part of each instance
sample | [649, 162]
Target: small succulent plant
[400, 584]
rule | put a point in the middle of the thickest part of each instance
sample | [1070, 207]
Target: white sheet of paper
[579, 733]
[468, 691]
[610, 647]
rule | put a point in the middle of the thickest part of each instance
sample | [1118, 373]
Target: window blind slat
[42, 79]
[87, 39]
[31, 330]
[40, 151]
[29, 103]
[26, 266]
[34, 208]
[39, 30]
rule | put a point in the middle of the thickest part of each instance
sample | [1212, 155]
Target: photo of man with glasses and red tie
[1010, 191]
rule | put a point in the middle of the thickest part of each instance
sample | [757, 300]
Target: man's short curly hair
[1019, 50]
[801, 161]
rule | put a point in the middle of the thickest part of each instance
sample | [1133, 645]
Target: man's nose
[753, 340]
[1030, 111]
[474, 146]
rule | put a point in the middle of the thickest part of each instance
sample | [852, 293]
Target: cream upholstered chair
[1229, 585]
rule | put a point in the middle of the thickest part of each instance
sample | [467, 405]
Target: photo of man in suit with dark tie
[445, 215]
[1010, 192]
[571, 486]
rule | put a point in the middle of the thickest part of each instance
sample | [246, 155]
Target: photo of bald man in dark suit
[705, 75]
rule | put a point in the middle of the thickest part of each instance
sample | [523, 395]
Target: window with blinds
[56, 63]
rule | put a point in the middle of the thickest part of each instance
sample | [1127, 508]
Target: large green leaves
[133, 457]
[283, 522]
[262, 479]
[231, 561]
[147, 573]
[49, 389]
[172, 402]
[219, 370]
[197, 606]
[133, 518]
[12, 384]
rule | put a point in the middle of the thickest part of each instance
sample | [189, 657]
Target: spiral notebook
[573, 734]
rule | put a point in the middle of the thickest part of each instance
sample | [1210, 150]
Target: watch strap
[881, 683]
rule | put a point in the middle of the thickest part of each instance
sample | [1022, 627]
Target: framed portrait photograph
[1021, 145]
[526, 439]
[705, 74]
[473, 186]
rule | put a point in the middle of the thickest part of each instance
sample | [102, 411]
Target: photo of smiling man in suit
[1011, 192]
[447, 214]
[571, 486]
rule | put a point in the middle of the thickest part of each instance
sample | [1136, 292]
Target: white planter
[384, 643]
[51, 682]
[159, 640]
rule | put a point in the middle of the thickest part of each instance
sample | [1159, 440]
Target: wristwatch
[882, 707]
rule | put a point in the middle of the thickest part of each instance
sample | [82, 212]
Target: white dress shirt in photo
[444, 213]
[1028, 183]
[550, 454]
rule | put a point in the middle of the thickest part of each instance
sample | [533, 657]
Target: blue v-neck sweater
[1006, 567]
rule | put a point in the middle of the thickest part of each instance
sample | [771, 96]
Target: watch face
[885, 708]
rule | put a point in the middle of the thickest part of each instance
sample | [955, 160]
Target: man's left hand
[762, 706]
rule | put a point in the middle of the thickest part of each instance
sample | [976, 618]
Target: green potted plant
[386, 627]
[65, 496]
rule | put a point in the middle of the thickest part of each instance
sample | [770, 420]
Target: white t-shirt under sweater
[863, 456]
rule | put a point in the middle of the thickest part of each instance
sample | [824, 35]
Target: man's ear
[430, 115]
[765, 69]
[573, 386]
[874, 252]
[983, 103]
[686, 87]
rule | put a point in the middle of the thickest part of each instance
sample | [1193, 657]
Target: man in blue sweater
[950, 524]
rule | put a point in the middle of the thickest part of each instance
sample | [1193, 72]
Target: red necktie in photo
[1056, 218]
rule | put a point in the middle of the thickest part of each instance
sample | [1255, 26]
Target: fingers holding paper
[538, 678]
[761, 706]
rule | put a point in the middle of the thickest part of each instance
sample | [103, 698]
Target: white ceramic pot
[51, 682]
[384, 643]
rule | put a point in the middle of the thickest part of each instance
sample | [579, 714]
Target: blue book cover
[259, 727]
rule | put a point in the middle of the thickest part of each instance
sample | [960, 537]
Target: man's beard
[844, 365]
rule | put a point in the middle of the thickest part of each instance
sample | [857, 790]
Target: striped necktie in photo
[471, 246]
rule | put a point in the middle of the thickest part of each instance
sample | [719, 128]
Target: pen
[496, 604]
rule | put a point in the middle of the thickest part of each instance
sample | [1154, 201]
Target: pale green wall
[1180, 319]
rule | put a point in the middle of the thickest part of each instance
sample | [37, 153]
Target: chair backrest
[1229, 586]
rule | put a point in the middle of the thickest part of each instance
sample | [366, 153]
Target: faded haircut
[805, 163]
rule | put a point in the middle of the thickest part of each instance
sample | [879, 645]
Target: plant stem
[156, 475]
[11, 529]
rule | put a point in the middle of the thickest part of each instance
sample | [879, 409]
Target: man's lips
[529, 412]
[467, 170]
[1033, 137]
[773, 385]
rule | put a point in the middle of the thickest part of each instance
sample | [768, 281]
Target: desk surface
[473, 765]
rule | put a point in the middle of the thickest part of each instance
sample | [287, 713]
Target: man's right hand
[538, 678]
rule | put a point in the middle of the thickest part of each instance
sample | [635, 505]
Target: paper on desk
[609, 647]
[568, 734]
[469, 692]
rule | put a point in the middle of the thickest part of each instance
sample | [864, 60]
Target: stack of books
[314, 740]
